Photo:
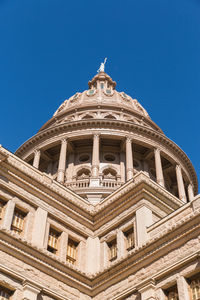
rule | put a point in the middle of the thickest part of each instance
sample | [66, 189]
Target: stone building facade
[99, 204]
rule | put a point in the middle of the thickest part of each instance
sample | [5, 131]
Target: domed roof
[102, 90]
[102, 95]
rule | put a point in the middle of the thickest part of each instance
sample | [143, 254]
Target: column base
[94, 182]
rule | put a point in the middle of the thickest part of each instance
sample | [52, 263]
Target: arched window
[109, 174]
[83, 174]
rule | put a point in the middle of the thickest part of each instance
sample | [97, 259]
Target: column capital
[178, 167]
[96, 135]
[157, 150]
[128, 139]
[190, 184]
[37, 151]
[148, 284]
[31, 290]
[63, 141]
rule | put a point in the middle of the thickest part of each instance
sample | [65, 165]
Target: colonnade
[129, 165]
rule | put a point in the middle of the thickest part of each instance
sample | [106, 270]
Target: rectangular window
[53, 241]
[4, 294]
[18, 221]
[130, 242]
[195, 288]
[172, 293]
[102, 85]
[112, 249]
[72, 247]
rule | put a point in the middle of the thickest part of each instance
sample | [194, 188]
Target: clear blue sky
[49, 49]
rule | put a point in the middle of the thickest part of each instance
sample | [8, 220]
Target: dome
[100, 139]
[111, 104]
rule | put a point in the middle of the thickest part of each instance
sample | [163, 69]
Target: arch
[87, 116]
[83, 172]
[109, 174]
[110, 116]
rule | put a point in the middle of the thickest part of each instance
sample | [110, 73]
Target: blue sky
[49, 49]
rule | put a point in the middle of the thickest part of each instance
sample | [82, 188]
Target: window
[91, 92]
[195, 288]
[108, 91]
[72, 251]
[172, 296]
[130, 242]
[2, 204]
[102, 86]
[112, 250]
[172, 293]
[18, 221]
[53, 241]
[4, 294]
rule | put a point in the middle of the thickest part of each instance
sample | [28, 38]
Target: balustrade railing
[86, 184]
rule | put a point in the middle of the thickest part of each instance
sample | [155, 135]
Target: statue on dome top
[102, 66]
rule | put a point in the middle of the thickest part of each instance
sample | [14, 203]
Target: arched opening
[83, 174]
[87, 117]
[110, 117]
[109, 178]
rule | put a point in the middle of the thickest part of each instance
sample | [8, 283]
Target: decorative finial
[102, 66]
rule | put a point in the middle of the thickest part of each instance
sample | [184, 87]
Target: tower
[99, 204]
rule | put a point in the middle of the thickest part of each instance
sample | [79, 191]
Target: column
[143, 220]
[70, 169]
[180, 183]
[129, 159]
[30, 292]
[95, 156]
[39, 227]
[122, 166]
[9, 211]
[36, 160]
[121, 247]
[158, 165]
[62, 161]
[183, 291]
[190, 192]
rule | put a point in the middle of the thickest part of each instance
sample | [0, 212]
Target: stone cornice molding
[142, 131]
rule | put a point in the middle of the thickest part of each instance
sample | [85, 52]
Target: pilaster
[143, 220]
[39, 227]
[183, 292]
[7, 220]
